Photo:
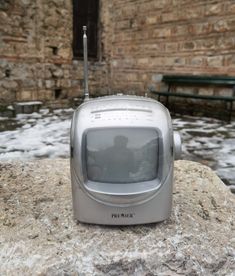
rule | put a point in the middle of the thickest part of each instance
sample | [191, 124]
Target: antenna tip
[84, 28]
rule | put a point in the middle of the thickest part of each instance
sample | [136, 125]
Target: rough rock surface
[39, 237]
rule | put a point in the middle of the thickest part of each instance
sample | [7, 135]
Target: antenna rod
[86, 91]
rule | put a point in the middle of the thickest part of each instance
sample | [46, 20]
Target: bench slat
[185, 79]
[185, 95]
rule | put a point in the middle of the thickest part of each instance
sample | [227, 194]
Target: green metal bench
[224, 81]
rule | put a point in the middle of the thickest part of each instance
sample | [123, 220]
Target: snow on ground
[46, 135]
[209, 141]
[40, 135]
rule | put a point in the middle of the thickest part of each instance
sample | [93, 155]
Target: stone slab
[38, 235]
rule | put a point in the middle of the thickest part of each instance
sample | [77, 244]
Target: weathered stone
[215, 61]
[49, 83]
[45, 95]
[9, 84]
[196, 61]
[58, 73]
[29, 83]
[226, 92]
[189, 45]
[25, 95]
[157, 78]
[64, 83]
[186, 90]
[39, 236]
[206, 91]
[2, 74]
[214, 9]
[66, 74]
[7, 96]
[221, 25]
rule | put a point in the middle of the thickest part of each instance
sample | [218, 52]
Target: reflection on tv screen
[122, 155]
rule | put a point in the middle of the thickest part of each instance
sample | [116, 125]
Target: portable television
[122, 157]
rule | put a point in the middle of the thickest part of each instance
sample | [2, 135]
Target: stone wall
[151, 38]
[36, 61]
[139, 42]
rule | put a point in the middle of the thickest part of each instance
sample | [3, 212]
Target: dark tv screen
[122, 155]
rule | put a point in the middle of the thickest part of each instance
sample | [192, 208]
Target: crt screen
[121, 155]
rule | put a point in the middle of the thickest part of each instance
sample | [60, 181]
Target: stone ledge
[39, 236]
[27, 107]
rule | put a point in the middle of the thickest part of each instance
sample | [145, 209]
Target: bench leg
[230, 111]
[167, 97]
[167, 101]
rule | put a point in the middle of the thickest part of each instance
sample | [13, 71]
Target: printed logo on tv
[122, 215]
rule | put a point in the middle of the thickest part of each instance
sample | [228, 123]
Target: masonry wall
[151, 38]
[139, 42]
[36, 61]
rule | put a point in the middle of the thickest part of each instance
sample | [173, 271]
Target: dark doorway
[85, 13]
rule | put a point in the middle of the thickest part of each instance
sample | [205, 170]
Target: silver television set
[122, 153]
[122, 158]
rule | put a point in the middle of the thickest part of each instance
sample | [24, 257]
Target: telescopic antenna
[86, 91]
